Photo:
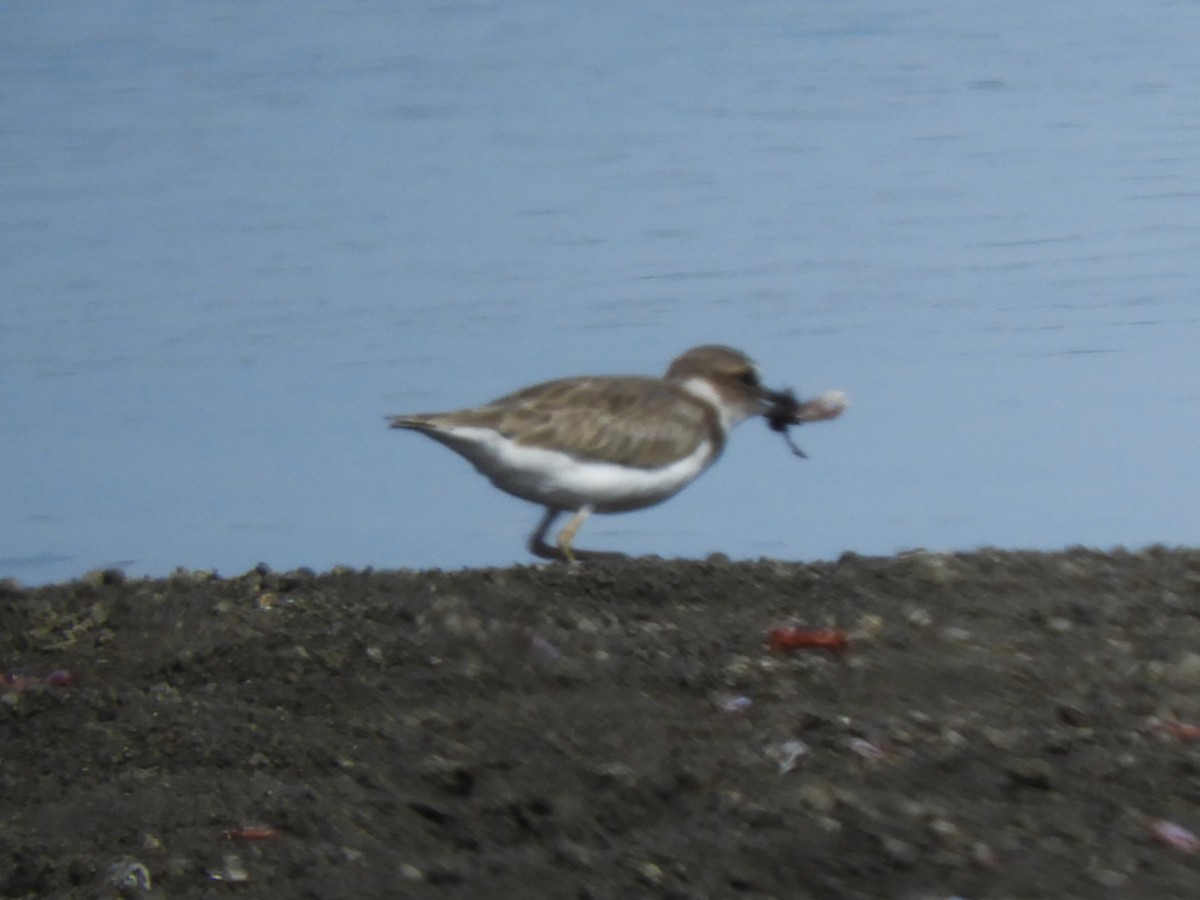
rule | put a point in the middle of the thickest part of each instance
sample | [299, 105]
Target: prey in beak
[783, 410]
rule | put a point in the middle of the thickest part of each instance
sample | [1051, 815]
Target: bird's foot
[570, 555]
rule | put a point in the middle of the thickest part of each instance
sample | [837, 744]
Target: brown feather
[614, 419]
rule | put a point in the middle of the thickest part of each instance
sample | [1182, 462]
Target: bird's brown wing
[641, 422]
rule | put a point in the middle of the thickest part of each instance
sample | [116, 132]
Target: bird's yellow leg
[567, 535]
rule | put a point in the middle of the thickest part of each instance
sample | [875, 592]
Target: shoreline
[117, 574]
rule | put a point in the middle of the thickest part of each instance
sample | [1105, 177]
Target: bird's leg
[563, 549]
[568, 534]
[567, 537]
[537, 540]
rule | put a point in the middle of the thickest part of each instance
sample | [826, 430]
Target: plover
[608, 444]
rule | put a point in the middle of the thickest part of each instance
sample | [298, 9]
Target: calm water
[233, 237]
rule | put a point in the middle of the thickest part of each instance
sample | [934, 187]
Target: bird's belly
[563, 481]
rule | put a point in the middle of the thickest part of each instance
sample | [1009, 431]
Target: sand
[999, 725]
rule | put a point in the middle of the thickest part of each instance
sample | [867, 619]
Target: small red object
[1181, 731]
[60, 678]
[252, 833]
[23, 681]
[794, 637]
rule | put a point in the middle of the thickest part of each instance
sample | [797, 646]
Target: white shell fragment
[828, 405]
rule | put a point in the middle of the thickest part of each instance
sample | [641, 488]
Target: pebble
[1108, 878]
[128, 877]
[953, 634]
[650, 873]
[788, 755]
[983, 855]
[576, 855]
[1030, 772]
[1059, 625]
[819, 796]
[918, 618]
[947, 831]
[899, 851]
[232, 870]
[104, 578]
[183, 576]
[1184, 671]
[738, 703]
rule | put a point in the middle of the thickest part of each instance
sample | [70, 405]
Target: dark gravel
[1003, 725]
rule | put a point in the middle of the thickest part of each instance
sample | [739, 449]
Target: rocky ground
[999, 725]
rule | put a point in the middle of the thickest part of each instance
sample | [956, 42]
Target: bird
[609, 444]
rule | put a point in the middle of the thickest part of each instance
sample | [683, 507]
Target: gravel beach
[981, 725]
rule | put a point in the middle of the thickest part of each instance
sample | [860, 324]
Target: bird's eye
[749, 378]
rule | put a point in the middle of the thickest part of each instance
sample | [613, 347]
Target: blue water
[233, 237]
